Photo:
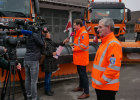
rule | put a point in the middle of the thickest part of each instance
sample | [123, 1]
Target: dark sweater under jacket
[50, 63]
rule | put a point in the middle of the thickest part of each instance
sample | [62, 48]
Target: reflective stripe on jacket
[81, 47]
[107, 63]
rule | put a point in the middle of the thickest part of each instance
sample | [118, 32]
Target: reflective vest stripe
[114, 81]
[111, 82]
[82, 45]
[103, 68]
[117, 68]
[80, 36]
[99, 68]
[83, 49]
[106, 79]
[102, 57]
[86, 47]
[97, 82]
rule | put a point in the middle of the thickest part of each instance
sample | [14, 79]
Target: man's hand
[66, 40]
[19, 66]
[72, 48]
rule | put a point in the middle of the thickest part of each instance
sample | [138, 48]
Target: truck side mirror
[128, 14]
[84, 13]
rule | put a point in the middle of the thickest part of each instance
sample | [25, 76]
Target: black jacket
[3, 63]
[34, 44]
[50, 63]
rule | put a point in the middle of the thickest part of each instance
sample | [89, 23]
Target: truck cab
[98, 10]
[18, 9]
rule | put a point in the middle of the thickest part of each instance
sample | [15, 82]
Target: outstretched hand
[66, 40]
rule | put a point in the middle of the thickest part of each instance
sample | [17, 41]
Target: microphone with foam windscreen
[26, 32]
[72, 34]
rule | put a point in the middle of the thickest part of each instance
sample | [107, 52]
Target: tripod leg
[14, 72]
[22, 85]
[9, 80]
[3, 93]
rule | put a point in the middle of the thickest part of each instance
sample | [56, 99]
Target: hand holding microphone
[68, 38]
[72, 34]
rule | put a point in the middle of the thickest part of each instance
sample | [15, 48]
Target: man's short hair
[108, 22]
[78, 22]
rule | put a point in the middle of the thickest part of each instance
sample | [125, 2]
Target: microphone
[26, 32]
[72, 34]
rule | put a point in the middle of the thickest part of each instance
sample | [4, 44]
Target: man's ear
[109, 28]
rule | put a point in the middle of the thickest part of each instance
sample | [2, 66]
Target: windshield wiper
[16, 14]
[117, 20]
[2, 14]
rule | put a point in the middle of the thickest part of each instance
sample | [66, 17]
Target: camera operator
[3, 62]
[31, 63]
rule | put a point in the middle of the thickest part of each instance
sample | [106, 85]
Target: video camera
[13, 36]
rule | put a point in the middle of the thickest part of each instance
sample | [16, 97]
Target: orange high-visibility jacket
[81, 47]
[107, 63]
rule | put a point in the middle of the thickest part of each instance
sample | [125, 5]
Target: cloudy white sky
[133, 5]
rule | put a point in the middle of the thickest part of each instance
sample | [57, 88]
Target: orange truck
[18, 9]
[98, 10]
[120, 15]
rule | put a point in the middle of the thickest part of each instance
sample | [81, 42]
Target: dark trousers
[105, 94]
[83, 79]
[48, 81]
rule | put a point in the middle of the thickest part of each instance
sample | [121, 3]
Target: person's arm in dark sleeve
[4, 63]
[38, 39]
[58, 44]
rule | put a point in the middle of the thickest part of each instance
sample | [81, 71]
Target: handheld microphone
[72, 34]
[26, 32]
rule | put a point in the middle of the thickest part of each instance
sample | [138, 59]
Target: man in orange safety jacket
[81, 57]
[107, 62]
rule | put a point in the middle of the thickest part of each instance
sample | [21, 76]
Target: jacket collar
[108, 37]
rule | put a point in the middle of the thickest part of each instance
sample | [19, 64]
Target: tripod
[7, 81]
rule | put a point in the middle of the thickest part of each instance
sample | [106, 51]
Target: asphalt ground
[129, 87]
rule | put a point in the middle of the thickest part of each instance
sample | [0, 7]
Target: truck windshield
[116, 14]
[14, 8]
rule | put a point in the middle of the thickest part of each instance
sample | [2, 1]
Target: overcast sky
[133, 5]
